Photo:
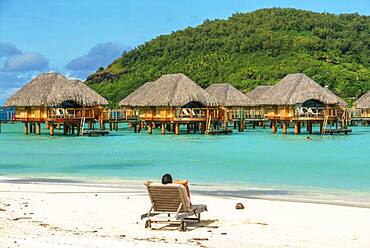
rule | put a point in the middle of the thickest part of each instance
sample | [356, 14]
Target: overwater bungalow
[171, 101]
[57, 101]
[361, 109]
[257, 92]
[256, 112]
[300, 100]
[235, 104]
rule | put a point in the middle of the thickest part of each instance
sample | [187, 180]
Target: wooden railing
[71, 113]
[254, 114]
[196, 113]
[303, 112]
[122, 114]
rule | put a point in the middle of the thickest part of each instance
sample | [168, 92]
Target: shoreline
[209, 189]
[61, 214]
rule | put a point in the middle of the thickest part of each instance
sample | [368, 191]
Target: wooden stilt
[194, 128]
[31, 127]
[296, 127]
[47, 125]
[58, 126]
[51, 129]
[284, 127]
[273, 126]
[65, 129]
[150, 128]
[188, 128]
[102, 125]
[321, 127]
[26, 128]
[254, 125]
[38, 128]
[201, 127]
[135, 127]
[110, 126]
[177, 128]
[163, 128]
[130, 124]
[241, 126]
[91, 126]
[78, 128]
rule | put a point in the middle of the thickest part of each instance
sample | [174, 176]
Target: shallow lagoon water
[254, 158]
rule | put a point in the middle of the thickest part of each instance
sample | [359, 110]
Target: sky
[77, 37]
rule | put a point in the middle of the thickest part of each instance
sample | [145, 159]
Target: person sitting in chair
[167, 178]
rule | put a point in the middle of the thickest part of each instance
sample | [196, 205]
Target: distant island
[251, 49]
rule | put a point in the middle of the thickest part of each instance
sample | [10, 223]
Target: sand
[72, 215]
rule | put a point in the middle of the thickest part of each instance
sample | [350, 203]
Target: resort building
[59, 102]
[257, 92]
[235, 104]
[256, 112]
[361, 109]
[171, 101]
[300, 100]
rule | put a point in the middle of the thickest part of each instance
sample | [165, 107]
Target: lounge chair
[60, 113]
[185, 113]
[171, 200]
[310, 112]
[302, 112]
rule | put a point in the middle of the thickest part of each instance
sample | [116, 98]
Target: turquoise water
[255, 157]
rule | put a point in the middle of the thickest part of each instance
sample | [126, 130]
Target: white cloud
[25, 62]
[101, 54]
[5, 93]
[8, 49]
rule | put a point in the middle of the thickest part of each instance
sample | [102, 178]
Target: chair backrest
[185, 112]
[167, 198]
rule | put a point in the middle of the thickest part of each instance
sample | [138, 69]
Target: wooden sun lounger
[171, 202]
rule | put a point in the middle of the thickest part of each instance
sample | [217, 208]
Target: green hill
[251, 49]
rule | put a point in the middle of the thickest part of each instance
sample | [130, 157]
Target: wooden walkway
[95, 132]
[338, 131]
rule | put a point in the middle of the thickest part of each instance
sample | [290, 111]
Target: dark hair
[167, 178]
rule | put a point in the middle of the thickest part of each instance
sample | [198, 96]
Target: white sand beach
[68, 215]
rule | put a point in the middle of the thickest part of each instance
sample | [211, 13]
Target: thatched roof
[340, 100]
[52, 89]
[135, 96]
[229, 96]
[257, 92]
[363, 101]
[295, 89]
[172, 90]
